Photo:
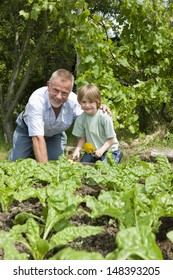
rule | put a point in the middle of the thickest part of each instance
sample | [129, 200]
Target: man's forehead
[59, 80]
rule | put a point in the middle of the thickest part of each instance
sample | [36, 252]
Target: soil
[102, 243]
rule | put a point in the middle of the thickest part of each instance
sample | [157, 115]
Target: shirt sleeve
[110, 132]
[108, 124]
[34, 120]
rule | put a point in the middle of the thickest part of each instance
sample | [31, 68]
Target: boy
[94, 126]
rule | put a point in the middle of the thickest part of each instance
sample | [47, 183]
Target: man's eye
[56, 90]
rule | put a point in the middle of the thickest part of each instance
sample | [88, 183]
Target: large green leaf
[70, 254]
[69, 234]
[136, 243]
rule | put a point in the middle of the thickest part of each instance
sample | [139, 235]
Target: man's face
[59, 91]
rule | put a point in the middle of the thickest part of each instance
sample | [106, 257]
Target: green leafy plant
[136, 243]
[29, 234]
[170, 235]
[136, 194]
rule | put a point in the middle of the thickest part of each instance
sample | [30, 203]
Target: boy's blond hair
[91, 92]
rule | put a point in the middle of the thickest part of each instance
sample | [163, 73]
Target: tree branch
[16, 68]
[29, 70]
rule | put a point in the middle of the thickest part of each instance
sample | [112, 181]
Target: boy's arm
[79, 146]
[105, 147]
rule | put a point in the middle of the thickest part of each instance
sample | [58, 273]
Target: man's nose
[59, 95]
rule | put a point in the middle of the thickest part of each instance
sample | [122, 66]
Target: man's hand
[105, 108]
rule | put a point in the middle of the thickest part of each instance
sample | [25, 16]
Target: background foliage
[124, 47]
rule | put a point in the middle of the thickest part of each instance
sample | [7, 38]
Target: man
[49, 112]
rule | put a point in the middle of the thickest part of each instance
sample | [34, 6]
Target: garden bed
[103, 243]
[40, 204]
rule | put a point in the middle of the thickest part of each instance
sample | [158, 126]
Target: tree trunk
[78, 59]
[9, 101]
[8, 130]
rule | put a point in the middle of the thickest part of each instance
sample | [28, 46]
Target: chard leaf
[55, 218]
[158, 183]
[136, 243]
[39, 249]
[38, 246]
[69, 234]
[27, 192]
[70, 254]
[164, 164]
[62, 204]
[114, 204]
[8, 241]
[6, 197]
[52, 218]
[63, 193]
[108, 203]
[170, 235]
[60, 225]
[22, 217]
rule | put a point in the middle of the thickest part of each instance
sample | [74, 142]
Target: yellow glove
[89, 148]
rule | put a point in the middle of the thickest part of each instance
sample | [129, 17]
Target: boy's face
[89, 107]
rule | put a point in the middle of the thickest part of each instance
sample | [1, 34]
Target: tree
[133, 72]
[29, 33]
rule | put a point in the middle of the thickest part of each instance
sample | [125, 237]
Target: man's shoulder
[72, 103]
[72, 98]
[82, 116]
[39, 91]
[39, 95]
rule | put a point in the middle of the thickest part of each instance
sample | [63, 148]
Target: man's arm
[40, 150]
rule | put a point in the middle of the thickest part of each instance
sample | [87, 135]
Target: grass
[4, 147]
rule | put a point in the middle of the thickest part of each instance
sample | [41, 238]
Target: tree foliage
[134, 71]
[124, 47]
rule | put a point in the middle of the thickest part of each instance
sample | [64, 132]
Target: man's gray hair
[64, 75]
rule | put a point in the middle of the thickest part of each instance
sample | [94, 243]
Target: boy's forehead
[87, 98]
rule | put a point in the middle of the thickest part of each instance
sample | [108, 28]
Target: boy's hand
[98, 153]
[76, 155]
